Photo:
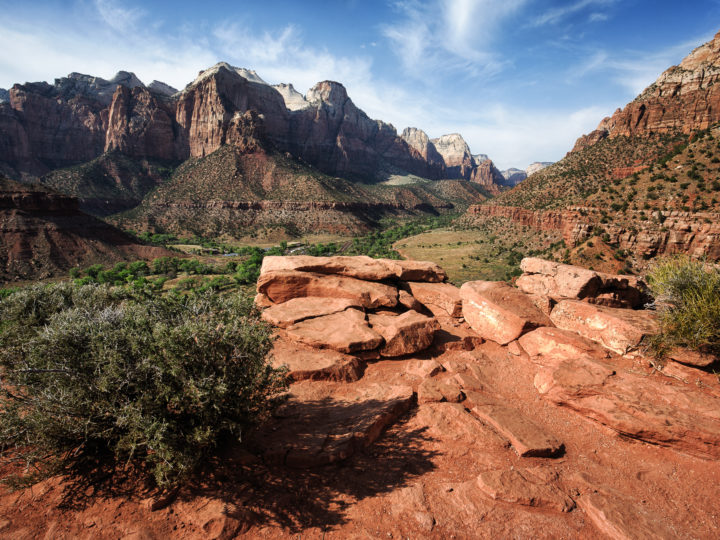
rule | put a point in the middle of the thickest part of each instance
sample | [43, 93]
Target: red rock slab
[306, 363]
[521, 487]
[559, 343]
[620, 330]
[499, 312]
[649, 408]
[692, 358]
[438, 296]
[526, 438]
[624, 519]
[434, 390]
[408, 333]
[281, 286]
[360, 267]
[346, 332]
[422, 368]
[299, 309]
[410, 270]
[324, 422]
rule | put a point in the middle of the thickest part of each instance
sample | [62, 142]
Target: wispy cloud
[556, 15]
[444, 35]
[118, 16]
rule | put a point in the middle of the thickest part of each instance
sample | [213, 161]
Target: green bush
[90, 370]
[688, 295]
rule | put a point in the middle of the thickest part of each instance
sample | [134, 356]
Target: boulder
[697, 359]
[404, 334]
[416, 270]
[299, 309]
[499, 312]
[619, 330]
[346, 332]
[262, 301]
[305, 363]
[566, 282]
[438, 296]
[559, 343]
[408, 301]
[325, 422]
[281, 286]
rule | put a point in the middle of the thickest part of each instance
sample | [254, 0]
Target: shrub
[688, 294]
[90, 370]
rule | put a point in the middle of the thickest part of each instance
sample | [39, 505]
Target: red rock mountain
[684, 98]
[44, 127]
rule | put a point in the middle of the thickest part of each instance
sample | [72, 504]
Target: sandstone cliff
[42, 233]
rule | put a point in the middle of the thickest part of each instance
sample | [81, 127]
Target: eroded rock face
[498, 312]
[521, 487]
[299, 309]
[684, 98]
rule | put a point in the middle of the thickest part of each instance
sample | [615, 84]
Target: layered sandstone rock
[566, 282]
[404, 334]
[620, 330]
[499, 312]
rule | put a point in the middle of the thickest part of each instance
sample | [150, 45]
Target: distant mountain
[514, 176]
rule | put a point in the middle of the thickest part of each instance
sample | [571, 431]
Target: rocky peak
[418, 140]
[480, 158]
[95, 87]
[513, 176]
[294, 100]
[161, 88]
[330, 92]
[453, 149]
[247, 74]
[4, 95]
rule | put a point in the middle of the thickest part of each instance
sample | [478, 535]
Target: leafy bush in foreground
[688, 293]
[87, 369]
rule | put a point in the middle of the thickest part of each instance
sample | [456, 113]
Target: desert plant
[91, 370]
[687, 293]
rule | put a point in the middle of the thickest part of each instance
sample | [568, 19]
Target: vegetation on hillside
[93, 372]
[687, 293]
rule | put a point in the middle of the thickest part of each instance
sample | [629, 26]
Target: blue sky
[519, 79]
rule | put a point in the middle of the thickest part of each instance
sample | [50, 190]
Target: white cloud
[449, 35]
[117, 16]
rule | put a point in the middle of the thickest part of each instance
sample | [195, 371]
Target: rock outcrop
[553, 435]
